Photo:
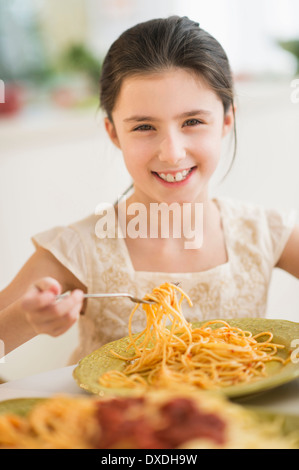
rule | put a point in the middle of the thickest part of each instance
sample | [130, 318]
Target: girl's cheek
[139, 153]
[136, 161]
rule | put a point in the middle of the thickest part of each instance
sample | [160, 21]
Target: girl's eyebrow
[141, 118]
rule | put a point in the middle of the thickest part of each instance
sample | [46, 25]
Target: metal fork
[116, 294]
[107, 295]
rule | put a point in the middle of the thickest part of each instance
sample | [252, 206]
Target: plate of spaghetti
[172, 419]
[237, 357]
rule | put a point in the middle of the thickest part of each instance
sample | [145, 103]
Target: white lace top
[255, 238]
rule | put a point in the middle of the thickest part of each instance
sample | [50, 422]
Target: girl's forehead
[164, 78]
[167, 87]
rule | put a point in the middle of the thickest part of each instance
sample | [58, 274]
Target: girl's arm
[28, 304]
[289, 260]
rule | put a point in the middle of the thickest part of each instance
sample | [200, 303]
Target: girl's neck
[181, 222]
[176, 254]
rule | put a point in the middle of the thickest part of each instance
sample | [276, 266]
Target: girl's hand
[44, 313]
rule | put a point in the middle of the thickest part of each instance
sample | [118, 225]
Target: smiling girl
[167, 91]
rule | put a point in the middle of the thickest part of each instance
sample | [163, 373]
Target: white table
[42, 385]
[284, 399]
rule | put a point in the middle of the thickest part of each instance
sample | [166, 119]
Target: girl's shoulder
[267, 228]
[240, 210]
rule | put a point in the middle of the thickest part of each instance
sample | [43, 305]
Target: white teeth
[170, 178]
[179, 176]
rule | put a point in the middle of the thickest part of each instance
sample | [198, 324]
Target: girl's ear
[109, 126]
[228, 121]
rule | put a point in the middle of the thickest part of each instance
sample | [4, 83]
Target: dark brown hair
[161, 44]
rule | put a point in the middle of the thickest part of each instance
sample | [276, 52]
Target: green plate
[289, 423]
[90, 368]
[19, 406]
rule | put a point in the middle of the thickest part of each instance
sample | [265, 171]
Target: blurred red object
[64, 97]
[13, 99]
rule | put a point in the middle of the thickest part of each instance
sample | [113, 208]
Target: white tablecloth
[42, 385]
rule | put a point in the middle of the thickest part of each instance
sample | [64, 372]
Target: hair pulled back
[161, 44]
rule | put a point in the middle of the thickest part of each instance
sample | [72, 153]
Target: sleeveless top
[255, 238]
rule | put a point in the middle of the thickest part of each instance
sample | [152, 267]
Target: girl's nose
[171, 149]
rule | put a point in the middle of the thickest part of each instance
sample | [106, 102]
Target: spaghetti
[169, 350]
[60, 422]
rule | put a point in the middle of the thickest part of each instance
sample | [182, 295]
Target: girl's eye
[192, 122]
[144, 127]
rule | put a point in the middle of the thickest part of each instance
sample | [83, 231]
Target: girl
[167, 91]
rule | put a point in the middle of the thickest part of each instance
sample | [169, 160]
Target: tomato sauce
[124, 424]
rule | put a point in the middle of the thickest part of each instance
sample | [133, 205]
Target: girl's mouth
[174, 178]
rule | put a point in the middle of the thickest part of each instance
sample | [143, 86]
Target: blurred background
[56, 163]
